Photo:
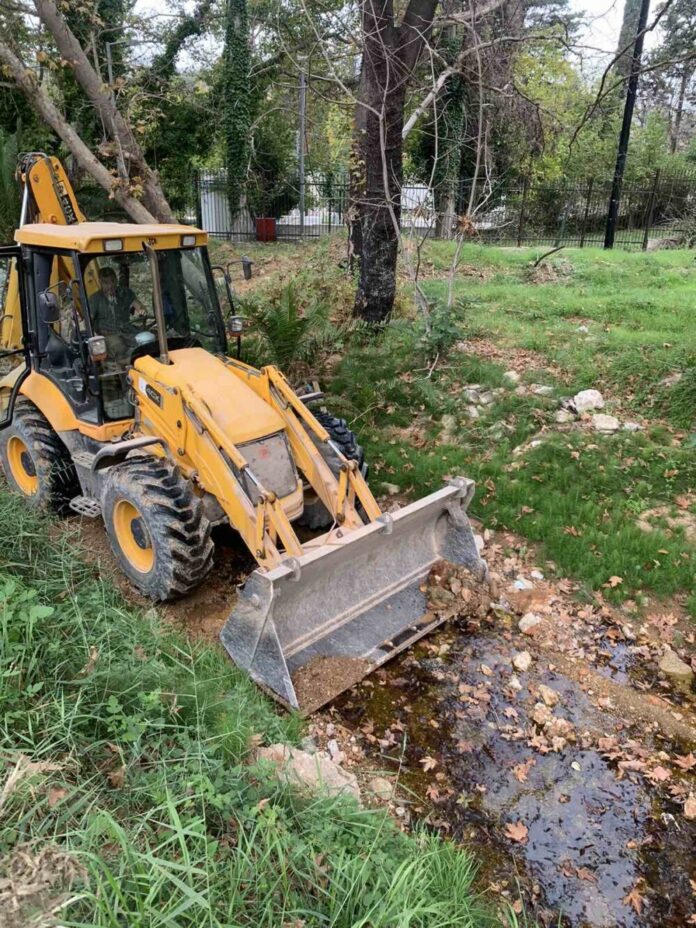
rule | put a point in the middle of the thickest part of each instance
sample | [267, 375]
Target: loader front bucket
[314, 626]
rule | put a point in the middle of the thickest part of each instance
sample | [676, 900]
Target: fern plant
[289, 334]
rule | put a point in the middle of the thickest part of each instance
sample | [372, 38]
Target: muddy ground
[562, 756]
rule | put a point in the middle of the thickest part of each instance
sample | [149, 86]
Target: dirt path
[562, 757]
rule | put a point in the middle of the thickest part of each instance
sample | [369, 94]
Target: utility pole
[631, 91]
[301, 148]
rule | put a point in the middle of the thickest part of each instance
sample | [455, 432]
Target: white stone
[632, 427]
[564, 415]
[480, 543]
[313, 772]
[522, 661]
[471, 394]
[511, 377]
[333, 749]
[390, 488]
[528, 622]
[543, 390]
[514, 683]
[486, 398]
[586, 400]
[583, 328]
[449, 423]
[601, 422]
[522, 584]
[550, 696]
[472, 412]
[536, 575]
[381, 788]
[676, 669]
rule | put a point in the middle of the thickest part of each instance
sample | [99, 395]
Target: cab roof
[90, 236]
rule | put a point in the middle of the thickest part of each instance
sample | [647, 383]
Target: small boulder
[522, 661]
[632, 427]
[472, 412]
[564, 415]
[605, 424]
[529, 622]
[391, 489]
[583, 329]
[479, 542]
[671, 380]
[381, 788]
[587, 400]
[312, 772]
[536, 575]
[471, 394]
[543, 390]
[512, 378]
[486, 398]
[676, 669]
[550, 697]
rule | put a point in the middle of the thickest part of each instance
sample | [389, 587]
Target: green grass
[579, 495]
[147, 788]
[640, 310]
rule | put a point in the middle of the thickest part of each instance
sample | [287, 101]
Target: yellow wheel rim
[133, 536]
[22, 466]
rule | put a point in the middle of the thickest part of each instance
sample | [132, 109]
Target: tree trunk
[130, 157]
[390, 53]
[679, 112]
[38, 99]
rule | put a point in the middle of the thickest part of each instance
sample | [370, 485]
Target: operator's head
[107, 281]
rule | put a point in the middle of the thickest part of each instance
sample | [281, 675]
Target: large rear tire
[315, 514]
[36, 463]
[157, 527]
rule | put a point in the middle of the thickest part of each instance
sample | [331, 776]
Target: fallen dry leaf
[690, 807]
[635, 900]
[584, 873]
[517, 831]
[614, 581]
[55, 795]
[521, 771]
[658, 774]
[428, 763]
[685, 761]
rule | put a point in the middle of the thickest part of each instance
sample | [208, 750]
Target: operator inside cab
[114, 306]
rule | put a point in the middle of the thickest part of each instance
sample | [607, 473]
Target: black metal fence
[520, 213]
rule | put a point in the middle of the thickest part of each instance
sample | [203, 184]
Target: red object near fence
[266, 230]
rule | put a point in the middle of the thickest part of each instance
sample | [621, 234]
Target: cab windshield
[119, 291]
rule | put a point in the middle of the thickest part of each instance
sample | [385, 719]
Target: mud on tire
[157, 527]
[36, 462]
[315, 514]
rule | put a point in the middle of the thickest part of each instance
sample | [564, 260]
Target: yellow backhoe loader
[124, 403]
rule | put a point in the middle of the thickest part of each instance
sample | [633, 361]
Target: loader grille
[271, 462]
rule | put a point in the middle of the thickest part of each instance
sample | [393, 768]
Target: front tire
[36, 463]
[315, 514]
[157, 527]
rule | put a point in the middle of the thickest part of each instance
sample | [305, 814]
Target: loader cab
[91, 309]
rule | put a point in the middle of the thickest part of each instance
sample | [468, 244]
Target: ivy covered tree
[236, 97]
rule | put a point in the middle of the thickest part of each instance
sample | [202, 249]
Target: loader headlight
[188, 241]
[96, 346]
[113, 244]
[235, 325]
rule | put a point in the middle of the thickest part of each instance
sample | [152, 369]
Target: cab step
[86, 506]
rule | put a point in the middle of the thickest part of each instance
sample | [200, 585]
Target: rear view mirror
[49, 311]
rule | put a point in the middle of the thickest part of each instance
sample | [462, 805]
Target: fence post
[650, 210]
[301, 149]
[587, 212]
[562, 220]
[197, 198]
[520, 226]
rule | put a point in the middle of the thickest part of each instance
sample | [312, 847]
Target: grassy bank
[619, 322]
[126, 796]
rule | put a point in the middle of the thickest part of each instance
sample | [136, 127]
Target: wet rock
[632, 427]
[511, 377]
[381, 788]
[312, 772]
[676, 669]
[562, 416]
[587, 400]
[529, 622]
[605, 424]
[391, 489]
[550, 697]
[522, 661]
